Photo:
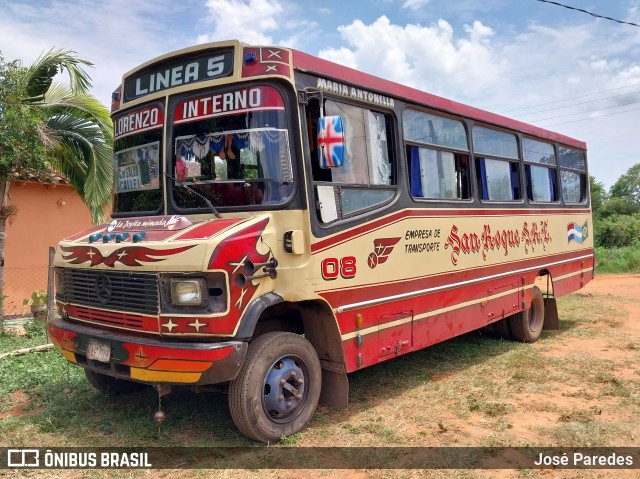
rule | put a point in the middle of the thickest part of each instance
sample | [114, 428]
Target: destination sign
[259, 98]
[137, 121]
[177, 72]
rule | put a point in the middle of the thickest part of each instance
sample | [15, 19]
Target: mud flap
[335, 385]
[551, 320]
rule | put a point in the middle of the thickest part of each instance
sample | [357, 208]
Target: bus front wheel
[278, 387]
[527, 326]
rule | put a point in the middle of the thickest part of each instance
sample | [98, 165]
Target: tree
[628, 186]
[78, 133]
[47, 126]
[598, 193]
[20, 145]
[617, 206]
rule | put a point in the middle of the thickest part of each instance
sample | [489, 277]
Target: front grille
[120, 290]
[109, 318]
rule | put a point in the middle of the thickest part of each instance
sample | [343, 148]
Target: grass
[474, 390]
[580, 415]
[592, 433]
[35, 335]
[488, 408]
[31, 370]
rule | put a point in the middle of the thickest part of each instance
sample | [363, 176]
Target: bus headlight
[187, 292]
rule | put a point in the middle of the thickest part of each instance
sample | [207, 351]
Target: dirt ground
[596, 336]
[588, 393]
[579, 386]
[582, 390]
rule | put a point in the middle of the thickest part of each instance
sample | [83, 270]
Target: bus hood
[163, 243]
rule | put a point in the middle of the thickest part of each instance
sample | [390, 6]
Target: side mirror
[330, 141]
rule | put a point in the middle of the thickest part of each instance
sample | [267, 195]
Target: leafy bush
[618, 260]
[616, 230]
[616, 206]
[36, 330]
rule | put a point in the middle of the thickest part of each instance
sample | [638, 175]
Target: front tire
[278, 387]
[109, 385]
[527, 326]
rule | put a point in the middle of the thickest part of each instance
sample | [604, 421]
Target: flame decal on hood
[232, 254]
[128, 256]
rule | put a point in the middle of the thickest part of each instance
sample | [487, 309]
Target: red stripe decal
[209, 229]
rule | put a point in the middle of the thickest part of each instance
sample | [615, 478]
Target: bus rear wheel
[278, 387]
[527, 326]
[109, 385]
[502, 328]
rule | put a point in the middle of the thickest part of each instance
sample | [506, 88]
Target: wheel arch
[314, 319]
[544, 281]
[257, 309]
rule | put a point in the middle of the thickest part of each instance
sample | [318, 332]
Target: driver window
[366, 179]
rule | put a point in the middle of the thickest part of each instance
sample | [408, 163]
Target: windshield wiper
[197, 193]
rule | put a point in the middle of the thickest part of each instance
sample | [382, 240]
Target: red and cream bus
[280, 221]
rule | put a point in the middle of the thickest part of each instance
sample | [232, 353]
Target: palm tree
[77, 133]
[73, 129]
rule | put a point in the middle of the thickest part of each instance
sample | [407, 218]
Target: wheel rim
[285, 389]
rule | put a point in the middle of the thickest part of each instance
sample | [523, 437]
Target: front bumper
[150, 360]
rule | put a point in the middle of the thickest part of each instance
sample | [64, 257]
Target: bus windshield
[137, 161]
[233, 148]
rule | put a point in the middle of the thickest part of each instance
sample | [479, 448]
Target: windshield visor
[232, 148]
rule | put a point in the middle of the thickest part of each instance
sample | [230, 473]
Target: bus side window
[573, 175]
[437, 174]
[498, 177]
[541, 183]
[498, 180]
[437, 152]
[540, 170]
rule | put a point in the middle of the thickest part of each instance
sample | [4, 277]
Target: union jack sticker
[330, 141]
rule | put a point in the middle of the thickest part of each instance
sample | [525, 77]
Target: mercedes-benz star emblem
[103, 288]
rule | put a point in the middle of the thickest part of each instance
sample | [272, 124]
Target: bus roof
[305, 62]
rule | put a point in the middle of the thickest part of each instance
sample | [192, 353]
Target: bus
[280, 221]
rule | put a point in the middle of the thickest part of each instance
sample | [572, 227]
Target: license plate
[98, 351]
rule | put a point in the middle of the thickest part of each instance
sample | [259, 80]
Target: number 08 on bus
[280, 221]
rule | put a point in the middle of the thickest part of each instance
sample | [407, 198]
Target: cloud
[415, 4]
[250, 21]
[115, 35]
[502, 72]
[486, 69]
[342, 56]
[267, 22]
[430, 57]
[548, 64]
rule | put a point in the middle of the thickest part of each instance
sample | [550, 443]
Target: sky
[550, 66]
